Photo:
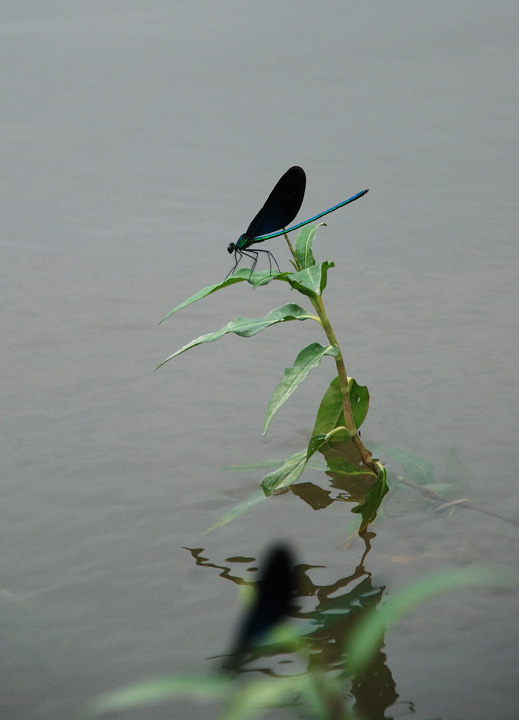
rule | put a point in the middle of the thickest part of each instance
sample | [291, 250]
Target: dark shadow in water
[348, 481]
[323, 614]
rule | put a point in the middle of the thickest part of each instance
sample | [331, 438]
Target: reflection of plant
[345, 403]
[319, 693]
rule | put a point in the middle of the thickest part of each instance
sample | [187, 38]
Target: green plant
[320, 694]
[345, 403]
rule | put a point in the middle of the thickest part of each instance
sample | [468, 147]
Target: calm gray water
[138, 140]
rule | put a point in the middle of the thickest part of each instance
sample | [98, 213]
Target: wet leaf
[286, 475]
[372, 500]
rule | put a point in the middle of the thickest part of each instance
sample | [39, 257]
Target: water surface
[138, 141]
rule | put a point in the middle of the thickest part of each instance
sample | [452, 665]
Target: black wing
[282, 204]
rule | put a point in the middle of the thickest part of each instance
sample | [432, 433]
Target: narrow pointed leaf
[245, 327]
[240, 276]
[317, 463]
[368, 634]
[257, 279]
[303, 246]
[238, 510]
[208, 688]
[312, 280]
[309, 358]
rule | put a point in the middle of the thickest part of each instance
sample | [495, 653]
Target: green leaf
[286, 475]
[372, 500]
[209, 688]
[256, 279]
[368, 634]
[239, 276]
[312, 691]
[244, 327]
[309, 358]
[312, 280]
[317, 442]
[264, 277]
[316, 464]
[293, 468]
[414, 468]
[303, 246]
[330, 414]
[342, 469]
[454, 472]
[359, 399]
[238, 510]
[262, 465]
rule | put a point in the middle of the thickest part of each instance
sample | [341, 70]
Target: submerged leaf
[454, 472]
[238, 510]
[309, 358]
[414, 468]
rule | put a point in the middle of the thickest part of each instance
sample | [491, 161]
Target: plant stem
[349, 422]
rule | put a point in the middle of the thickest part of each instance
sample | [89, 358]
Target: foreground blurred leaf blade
[208, 688]
[368, 634]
